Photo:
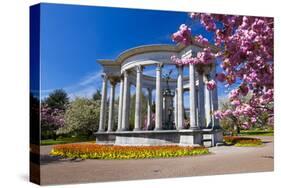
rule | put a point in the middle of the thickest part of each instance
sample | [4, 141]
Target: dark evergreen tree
[58, 99]
[97, 95]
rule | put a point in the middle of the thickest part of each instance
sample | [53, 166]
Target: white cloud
[84, 88]
[91, 78]
[84, 92]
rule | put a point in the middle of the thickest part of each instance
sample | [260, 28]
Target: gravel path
[223, 160]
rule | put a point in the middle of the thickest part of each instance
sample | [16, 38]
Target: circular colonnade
[127, 70]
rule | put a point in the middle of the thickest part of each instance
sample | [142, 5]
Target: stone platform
[188, 137]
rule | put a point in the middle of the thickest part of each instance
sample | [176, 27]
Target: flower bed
[242, 141]
[94, 151]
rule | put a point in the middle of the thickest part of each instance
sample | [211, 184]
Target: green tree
[58, 99]
[81, 117]
[97, 95]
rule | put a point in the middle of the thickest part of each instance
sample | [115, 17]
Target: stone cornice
[150, 48]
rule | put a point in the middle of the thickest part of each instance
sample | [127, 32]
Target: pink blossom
[176, 60]
[183, 35]
[246, 44]
[201, 40]
[253, 119]
[233, 94]
[211, 85]
[236, 102]
[228, 112]
[245, 125]
[218, 114]
[206, 56]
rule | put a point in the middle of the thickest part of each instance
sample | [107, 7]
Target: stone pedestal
[212, 137]
[106, 139]
[191, 138]
[155, 138]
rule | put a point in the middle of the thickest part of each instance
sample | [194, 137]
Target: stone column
[207, 103]
[215, 105]
[103, 103]
[125, 109]
[138, 107]
[149, 103]
[192, 97]
[201, 101]
[119, 127]
[176, 109]
[197, 109]
[159, 98]
[111, 107]
[180, 98]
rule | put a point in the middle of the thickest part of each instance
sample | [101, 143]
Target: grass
[257, 133]
[66, 140]
[242, 141]
[94, 151]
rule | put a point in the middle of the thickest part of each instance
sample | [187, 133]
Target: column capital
[159, 66]
[126, 73]
[112, 82]
[139, 68]
[104, 76]
[121, 77]
[205, 69]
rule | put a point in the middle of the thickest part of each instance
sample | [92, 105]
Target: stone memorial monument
[170, 125]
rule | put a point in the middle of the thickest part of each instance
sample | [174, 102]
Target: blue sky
[74, 37]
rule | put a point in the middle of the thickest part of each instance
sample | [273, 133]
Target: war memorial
[169, 129]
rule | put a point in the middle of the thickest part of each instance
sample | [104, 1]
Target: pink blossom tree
[51, 120]
[245, 54]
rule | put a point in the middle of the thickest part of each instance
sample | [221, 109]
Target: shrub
[81, 117]
[94, 151]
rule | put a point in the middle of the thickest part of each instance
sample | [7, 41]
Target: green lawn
[257, 133]
[66, 140]
[242, 141]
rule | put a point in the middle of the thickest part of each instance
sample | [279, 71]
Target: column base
[194, 128]
[180, 128]
[158, 129]
[101, 130]
[122, 129]
[137, 129]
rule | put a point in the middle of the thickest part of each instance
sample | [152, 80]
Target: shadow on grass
[266, 142]
[257, 133]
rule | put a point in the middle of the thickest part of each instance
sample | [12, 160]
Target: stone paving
[223, 160]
